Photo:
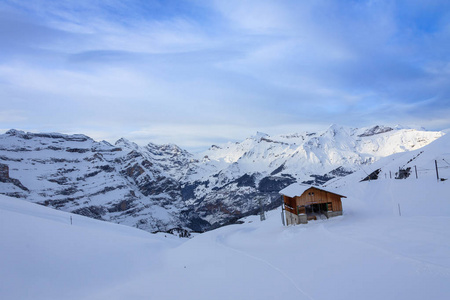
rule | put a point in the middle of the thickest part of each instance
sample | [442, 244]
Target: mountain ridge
[161, 187]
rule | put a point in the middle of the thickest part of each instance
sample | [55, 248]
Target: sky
[202, 72]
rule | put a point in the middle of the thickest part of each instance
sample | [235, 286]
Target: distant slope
[423, 160]
[122, 183]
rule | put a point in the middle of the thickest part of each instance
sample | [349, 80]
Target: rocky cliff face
[14, 183]
[161, 187]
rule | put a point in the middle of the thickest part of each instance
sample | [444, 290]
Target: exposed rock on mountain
[162, 187]
[375, 130]
[4, 177]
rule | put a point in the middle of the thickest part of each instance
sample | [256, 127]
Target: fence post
[437, 173]
[415, 167]
[261, 209]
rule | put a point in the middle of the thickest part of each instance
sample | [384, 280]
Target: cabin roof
[297, 189]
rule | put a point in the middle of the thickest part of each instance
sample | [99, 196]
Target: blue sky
[200, 72]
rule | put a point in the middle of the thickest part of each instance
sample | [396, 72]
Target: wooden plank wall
[289, 204]
[319, 196]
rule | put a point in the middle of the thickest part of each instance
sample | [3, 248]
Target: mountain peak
[377, 129]
[259, 135]
[15, 132]
[124, 142]
[333, 130]
[414, 127]
[215, 147]
[334, 127]
[52, 135]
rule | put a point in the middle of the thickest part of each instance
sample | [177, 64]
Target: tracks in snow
[220, 242]
[423, 264]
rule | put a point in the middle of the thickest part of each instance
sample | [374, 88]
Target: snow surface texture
[374, 251]
[159, 187]
[350, 257]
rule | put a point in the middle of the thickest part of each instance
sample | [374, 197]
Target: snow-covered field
[371, 252]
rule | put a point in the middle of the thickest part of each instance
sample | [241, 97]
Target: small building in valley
[305, 202]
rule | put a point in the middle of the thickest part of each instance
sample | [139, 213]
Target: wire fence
[439, 169]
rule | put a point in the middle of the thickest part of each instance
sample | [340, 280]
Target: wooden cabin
[305, 202]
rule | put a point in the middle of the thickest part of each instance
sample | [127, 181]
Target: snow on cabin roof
[297, 189]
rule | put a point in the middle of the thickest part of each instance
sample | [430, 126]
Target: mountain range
[164, 187]
[392, 234]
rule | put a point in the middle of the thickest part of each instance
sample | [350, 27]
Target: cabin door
[316, 211]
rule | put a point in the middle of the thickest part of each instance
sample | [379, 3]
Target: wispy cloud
[201, 71]
[12, 116]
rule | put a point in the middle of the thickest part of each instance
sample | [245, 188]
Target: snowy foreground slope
[371, 252]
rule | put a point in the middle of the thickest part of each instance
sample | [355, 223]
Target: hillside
[371, 252]
[423, 166]
[161, 187]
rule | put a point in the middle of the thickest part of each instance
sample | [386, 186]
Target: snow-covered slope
[160, 187]
[50, 254]
[429, 164]
[371, 252]
[304, 154]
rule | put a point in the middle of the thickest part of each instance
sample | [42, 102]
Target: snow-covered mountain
[304, 154]
[159, 187]
[427, 165]
[391, 242]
